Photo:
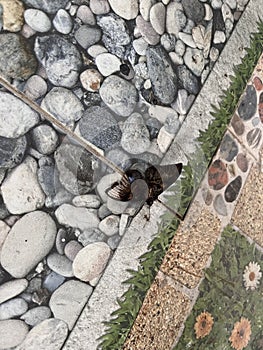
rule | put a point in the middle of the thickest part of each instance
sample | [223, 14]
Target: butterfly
[137, 184]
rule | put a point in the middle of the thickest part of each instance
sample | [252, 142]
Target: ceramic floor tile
[247, 215]
[160, 318]
[191, 247]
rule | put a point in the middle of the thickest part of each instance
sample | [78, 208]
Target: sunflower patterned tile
[247, 215]
[161, 317]
[192, 246]
[228, 312]
[225, 178]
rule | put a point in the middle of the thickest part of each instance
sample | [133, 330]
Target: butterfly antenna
[98, 153]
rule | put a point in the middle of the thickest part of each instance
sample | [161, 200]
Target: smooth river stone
[47, 5]
[36, 315]
[28, 242]
[242, 162]
[16, 118]
[68, 301]
[254, 137]
[248, 104]
[13, 12]
[91, 261]
[162, 74]
[238, 125]
[12, 333]
[119, 95]
[12, 288]
[50, 334]
[233, 189]
[219, 205]
[13, 308]
[12, 151]
[127, 9]
[217, 175]
[228, 148]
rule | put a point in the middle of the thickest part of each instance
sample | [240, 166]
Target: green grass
[140, 281]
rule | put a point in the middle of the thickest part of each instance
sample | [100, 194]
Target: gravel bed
[122, 74]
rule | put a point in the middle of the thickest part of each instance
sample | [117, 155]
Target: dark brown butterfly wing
[120, 192]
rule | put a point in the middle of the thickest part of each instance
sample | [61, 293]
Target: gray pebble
[12, 288]
[52, 281]
[103, 211]
[114, 241]
[47, 6]
[188, 80]
[99, 7]
[35, 87]
[87, 200]
[194, 60]
[71, 249]
[91, 235]
[13, 308]
[45, 139]
[87, 36]
[37, 20]
[12, 151]
[61, 240]
[62, 22]
[60, 264]
[146, 30]
[110, 225]
[36, 315]
[12, 333]
[85, 15]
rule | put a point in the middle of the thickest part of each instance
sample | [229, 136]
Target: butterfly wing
[120, 191]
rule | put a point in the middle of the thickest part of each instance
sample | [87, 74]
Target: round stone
[91, 261]
[219, 205]
[135, 136]
[238, 125]
[12, 288]
[147, 32]
[217, 175]
[60, 58]
[11, 151]
[80, 218]
[99, 7]
[110, 225]
[242, 162]
[62, 22]
[49, 334]
[36, 315]
[68, 301]
[22, 250]
[12, 333]
[87, 36]
[157, 17]
[91, 235]
[248, 105]
[194, 60]
[87, 200]
[254, 137]
[127, 10]
[60, 264]
[17, 60]
[71, 249]
[46, 5]
[233, 189]
[16, 118]
[228, 148]
[194, 9]
[45, 139]
[85, 15]
[91, 79]
[13, 18]
[107, 64]
[37, 20]
[175, 18]
[35, 87]
[13, 308]
[119, 95]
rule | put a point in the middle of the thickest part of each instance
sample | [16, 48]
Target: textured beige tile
[248, 212]
[160, 318]
[191, 247]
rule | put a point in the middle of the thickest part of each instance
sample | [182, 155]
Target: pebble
[91, 235]
[194, 60]
[20, 119]
[85, 14]
[71, 249]
[254, 137]
[12, 288]
[107, 64]
[219, 37]
[99, 7]
[61, 240]
[60, 264]
[208, 13]
[81, 218]
[68, 301]
[175, 18]
[228, 148]
[233, 189]
[164, 139]
[35, 87]
[216, 4]
[238, 125]
[119, 95]
[37, 20]
[45, 139]
[4, 229]
[12, 333]
[219, 205]
[124, 222]
[64, 105]
[62, 66]
[242, 162]
[183, 102]
[75, 168]
[110, 225]
[87, 36]
[153, 125]
[158, 17]
[100, 127]
[114, 241]
[12, 17]
[135, 135]
[127, 10]
[187, 39]
[194, 10]
[104, 211]
[62, 22]
[13, 308]
[162, 75]
[87, 200]
[12, 151]
[17, 60]
[188, 80]
[147, 32]
[47, 6]
[52, 281]
[115, 206]
[22, 251]
[207, 196]
[214, 54]
[46, 175]
[217, 175]
[248, 105]
[20, 190]
[36, 315]
[91, 261]
[140, 45]
[49, 334]
[91, 79]
[145, 7]
[95, 50]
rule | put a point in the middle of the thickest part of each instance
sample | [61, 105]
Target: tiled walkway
[208, 291]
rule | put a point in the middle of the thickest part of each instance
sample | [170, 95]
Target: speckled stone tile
[161, 317]
[191, 247]
[247, 215]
